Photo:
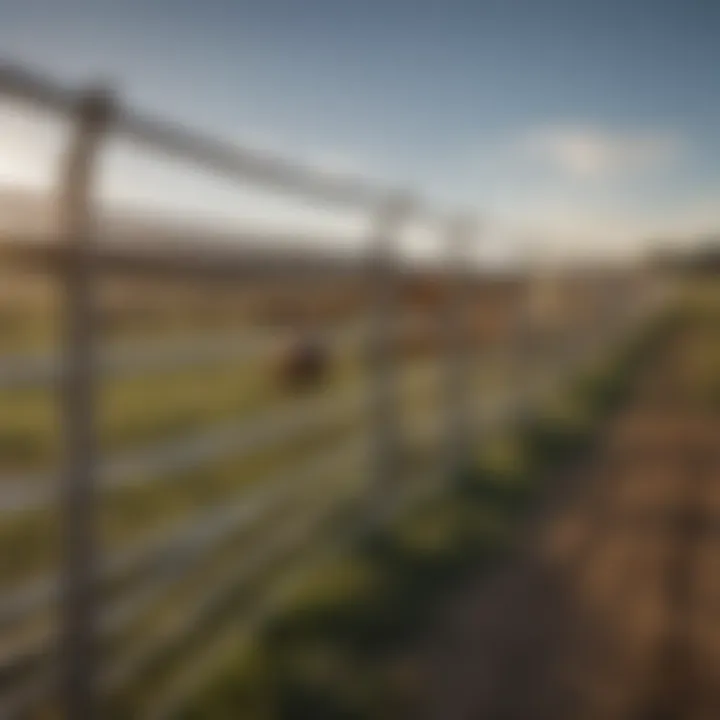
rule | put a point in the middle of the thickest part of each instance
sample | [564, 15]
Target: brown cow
[305, 363]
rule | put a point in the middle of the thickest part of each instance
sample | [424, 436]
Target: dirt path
[613, 609]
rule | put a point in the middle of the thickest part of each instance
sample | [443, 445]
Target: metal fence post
[384, 411]
[520, 344]
[79, 611]
[612, 308]
[458, 372]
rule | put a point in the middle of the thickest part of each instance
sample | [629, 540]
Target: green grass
[335, 652]
[390, 580]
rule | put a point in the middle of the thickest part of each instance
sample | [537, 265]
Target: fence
[28, 675]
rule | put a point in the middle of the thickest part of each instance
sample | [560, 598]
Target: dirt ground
[611, 607]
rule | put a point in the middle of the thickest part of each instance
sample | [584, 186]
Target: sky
[579, 124]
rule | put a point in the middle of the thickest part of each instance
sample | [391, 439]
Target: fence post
[383, 279]
[520, 341]
[458, 370]
[613, 309]
[79, 611]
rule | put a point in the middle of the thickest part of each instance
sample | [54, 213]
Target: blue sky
[564, 119]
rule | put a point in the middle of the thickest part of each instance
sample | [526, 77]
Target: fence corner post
[382, 363]
[78, 651]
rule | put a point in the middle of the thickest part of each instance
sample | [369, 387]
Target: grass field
[342, 646]
[184, 545]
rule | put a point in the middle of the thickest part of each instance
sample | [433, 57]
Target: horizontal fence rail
[157, 552]
[288, 517]
[167, 562]
[158, 462]
[150, 357]
[174, 140]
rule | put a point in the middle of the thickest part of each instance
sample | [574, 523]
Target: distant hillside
[697, 255]
[137, 238]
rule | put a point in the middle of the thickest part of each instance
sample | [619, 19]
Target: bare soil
[610, 609]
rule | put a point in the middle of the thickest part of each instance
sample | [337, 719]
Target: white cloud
[587, 152]
[584, 188]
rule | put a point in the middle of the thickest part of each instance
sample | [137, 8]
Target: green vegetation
[336, 649]
[137, 411]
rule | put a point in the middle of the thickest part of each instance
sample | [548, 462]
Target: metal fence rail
[158, 462]
[88, 621]
[206, 152]
[43, 369]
